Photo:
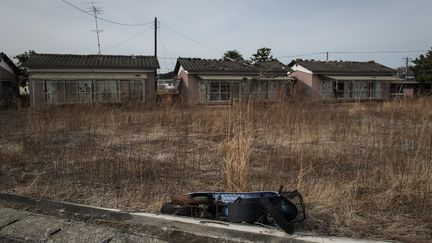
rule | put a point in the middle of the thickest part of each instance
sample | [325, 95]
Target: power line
[104, 19]
[163, 46]
[128, 39]
[355, 52]
[191, 39]
[303, 55]
[377, 52]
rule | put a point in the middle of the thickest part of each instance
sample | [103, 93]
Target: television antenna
[96, 10]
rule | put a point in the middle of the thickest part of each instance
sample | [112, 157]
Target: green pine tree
[262, 55]
[232, 55]
[423, 67]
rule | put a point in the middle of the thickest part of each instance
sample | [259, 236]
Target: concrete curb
[73, 220]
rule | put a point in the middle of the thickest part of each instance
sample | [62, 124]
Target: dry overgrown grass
[365, 169]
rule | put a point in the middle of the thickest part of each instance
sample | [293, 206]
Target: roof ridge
[103, 55]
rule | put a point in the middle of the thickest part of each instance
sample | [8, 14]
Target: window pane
[225, 96]
[377, 86]
[107, 91]
[224, 86]
[136, 90]
[71, 91]
[214, 87]
[85, 91]
[214, 96]
[347, 89]
[235, 90]
[54, 91]
[327, 90]
[245, 89]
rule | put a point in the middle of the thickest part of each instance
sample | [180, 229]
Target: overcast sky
[288, 27]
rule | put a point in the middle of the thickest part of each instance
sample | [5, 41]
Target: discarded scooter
[276, 209]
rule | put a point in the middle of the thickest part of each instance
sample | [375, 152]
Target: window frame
[87, 91]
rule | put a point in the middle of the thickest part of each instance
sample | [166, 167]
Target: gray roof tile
[323, 67]
[91, 61]
[199, 65]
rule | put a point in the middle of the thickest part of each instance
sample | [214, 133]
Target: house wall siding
[6, 67]
[190, 90]
[37, 93]
[6, 75]
[386, 90]
[150, 88]
[189, 87]
[193, 89]
[308, 85]
[183, 86]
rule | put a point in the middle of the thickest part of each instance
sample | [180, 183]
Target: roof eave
[353, 73]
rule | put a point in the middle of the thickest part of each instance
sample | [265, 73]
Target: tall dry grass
[238, 143]
[364, 168]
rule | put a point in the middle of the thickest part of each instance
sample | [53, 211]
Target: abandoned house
[342, 80]
[66, 78]
[218, 81]
[8, 80]
[409, 88]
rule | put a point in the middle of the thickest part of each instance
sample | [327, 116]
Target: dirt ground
[365, 169]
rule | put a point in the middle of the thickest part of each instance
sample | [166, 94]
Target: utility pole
[155, 36]
[155, 53]
[96, 11]
[407, 59]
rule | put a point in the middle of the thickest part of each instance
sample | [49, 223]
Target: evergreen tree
[262, 55]
[232, 55]
[22, 58]
[423, 67]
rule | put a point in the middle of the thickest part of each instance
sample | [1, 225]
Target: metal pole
[97, 29]
[406, 68]
[155, 37]
[155, 54]
[406, 74]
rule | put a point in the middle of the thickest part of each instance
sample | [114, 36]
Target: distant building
[342, 80]
[67, 78]
[8, 80]
[167, 84]
[410, 88]
[218, 81]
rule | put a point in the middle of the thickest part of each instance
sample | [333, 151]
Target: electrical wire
[104, 19]
[128, 39]
[376, 52]
[163, 46]
[303, 55]
[354, 52]
[191, 39]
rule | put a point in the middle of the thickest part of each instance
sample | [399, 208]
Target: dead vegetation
[365, 169]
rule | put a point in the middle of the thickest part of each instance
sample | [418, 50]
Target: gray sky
[288, 27]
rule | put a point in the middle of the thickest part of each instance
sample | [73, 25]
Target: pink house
[342, 80]
[218, 81]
